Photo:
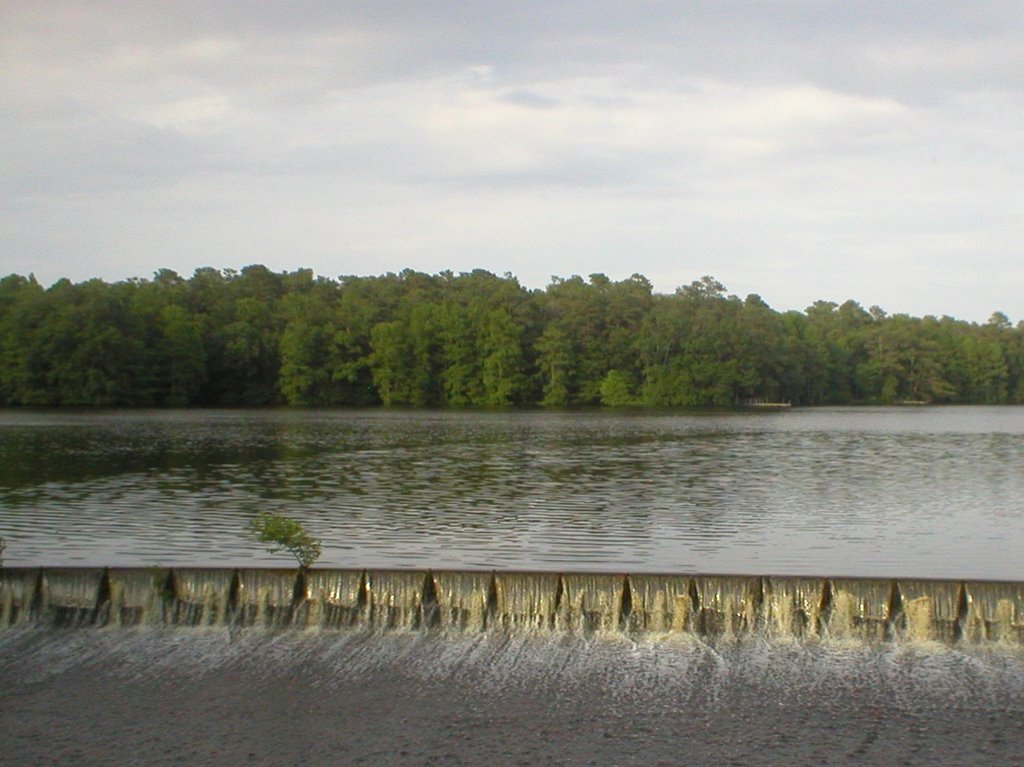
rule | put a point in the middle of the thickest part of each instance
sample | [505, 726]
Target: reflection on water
[923, 492]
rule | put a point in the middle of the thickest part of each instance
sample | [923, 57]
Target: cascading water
[525, 600]
[591, 602]
[792, 606]
[725, 606]
[137, 597]
[858, 608]
[396, 598]
[265, 597]
[995, 611]
[659, 603]
[332, 598]
[461, 599]
[200, 596]
[929, 610]
[17, 594]
[72, 596]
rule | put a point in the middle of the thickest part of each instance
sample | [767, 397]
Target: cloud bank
[801, 150]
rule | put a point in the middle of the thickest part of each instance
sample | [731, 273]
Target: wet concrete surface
[193, 697]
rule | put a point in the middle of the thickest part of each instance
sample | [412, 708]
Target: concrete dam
[868, 609]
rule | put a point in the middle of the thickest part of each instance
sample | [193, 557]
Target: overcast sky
[799, 150]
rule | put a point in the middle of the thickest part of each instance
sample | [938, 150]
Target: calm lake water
[923, 492]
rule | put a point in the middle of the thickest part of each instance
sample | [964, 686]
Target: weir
[717, 606]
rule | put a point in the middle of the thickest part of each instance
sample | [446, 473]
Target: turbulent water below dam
[211, 695]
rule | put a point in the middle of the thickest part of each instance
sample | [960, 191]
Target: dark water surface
[912, 492]
[98, 697]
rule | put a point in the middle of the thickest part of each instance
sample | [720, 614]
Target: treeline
[257, 337]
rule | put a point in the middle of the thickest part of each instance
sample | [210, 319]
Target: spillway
[724, 606]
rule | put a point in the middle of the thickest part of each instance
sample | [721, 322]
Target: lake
[911, 491]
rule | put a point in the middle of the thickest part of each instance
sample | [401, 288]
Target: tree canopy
[257, 337]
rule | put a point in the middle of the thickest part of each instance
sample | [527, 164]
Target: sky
[866, 150]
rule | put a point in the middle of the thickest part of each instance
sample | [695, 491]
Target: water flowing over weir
[466, 601]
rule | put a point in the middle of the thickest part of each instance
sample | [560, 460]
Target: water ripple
[924, 492]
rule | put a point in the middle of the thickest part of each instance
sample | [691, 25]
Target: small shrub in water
[287, 534]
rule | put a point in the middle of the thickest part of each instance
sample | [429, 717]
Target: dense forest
[256, 337]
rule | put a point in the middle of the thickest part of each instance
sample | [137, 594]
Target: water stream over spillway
[874, 610]
[346, 667]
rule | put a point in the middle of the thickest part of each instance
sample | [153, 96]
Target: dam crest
[869, 609]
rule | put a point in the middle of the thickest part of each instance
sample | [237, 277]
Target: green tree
[693, 349]
[389, 362]
[309, 350]
[503, 373]
[185, 356]
[22, 313]
[475, 339]
[556, 358]
[617, 390]
[286, 534]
